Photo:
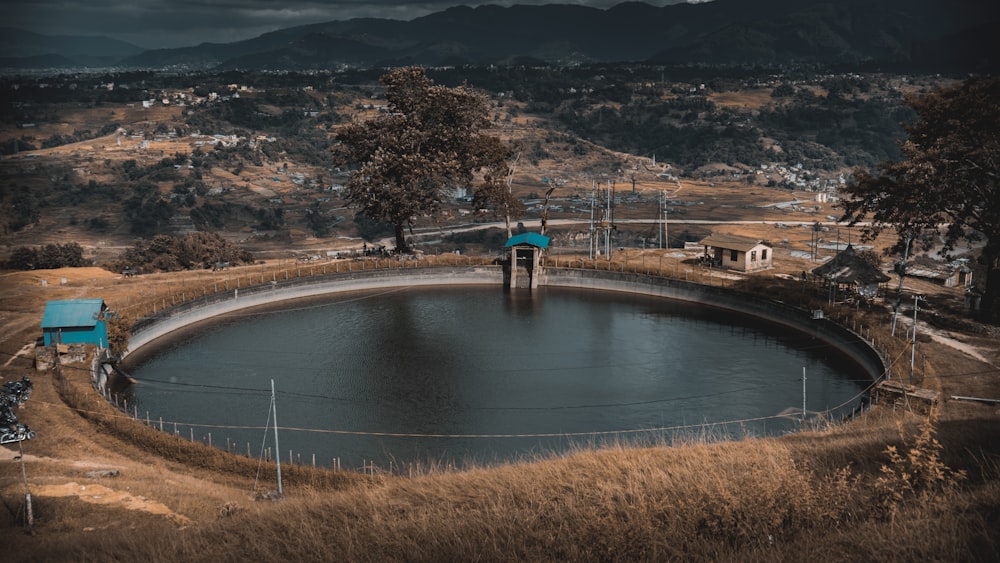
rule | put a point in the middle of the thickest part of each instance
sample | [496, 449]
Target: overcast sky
[176, 23]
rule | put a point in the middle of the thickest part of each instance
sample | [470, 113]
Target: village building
[956, 274]
[75, 321]
[737, 252]
[525, 259]
[849, 273]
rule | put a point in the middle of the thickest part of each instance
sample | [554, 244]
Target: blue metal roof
[72, 313]
[534, 239]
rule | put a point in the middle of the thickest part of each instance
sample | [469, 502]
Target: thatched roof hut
[848, 268]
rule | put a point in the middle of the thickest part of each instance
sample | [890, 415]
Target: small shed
[738, 253]
[525, 254]
[956, 274]
[849, 269]
[75, 321]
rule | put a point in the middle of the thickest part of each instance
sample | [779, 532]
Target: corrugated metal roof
[731, 242]
[849, 267]
[73, 312]
[534, 239]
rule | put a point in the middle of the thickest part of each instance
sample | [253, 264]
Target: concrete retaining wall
[845, 340]
[169, 320]
[150, 328]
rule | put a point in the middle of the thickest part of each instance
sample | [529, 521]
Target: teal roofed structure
[75, 321]
[532, 239]
[524, 267]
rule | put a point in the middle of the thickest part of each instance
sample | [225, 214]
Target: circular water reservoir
[477, 374]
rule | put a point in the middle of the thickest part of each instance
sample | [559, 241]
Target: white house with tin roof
[736, 252]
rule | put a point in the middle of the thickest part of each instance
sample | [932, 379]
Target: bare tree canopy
[428, 139]
[495, 191]
[945, 179]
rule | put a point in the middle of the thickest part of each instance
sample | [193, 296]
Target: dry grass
[761, 499]
[886, 487]
[754, 99]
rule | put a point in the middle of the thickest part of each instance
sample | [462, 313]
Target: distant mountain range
[919, 35]
[26, 49]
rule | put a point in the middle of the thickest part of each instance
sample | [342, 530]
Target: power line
[594, 433]
[444, 435]
[257, 391]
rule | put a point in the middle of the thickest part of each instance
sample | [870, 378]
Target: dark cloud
[173, 23]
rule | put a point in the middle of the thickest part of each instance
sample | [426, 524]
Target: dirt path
[973, 351]
[25, 352]
[99, 494]
[71, 461]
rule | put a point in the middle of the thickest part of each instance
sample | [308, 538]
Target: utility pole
[593, 202]
[659, 219]
[611, 222]
[29, 515]
[277, 450]
[815, 240]
[666, 226]
[664, 233]
[913, 343]
[899, 292]
[803, 421]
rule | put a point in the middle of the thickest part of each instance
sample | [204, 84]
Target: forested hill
[918, 35]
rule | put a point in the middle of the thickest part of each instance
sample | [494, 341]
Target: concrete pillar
[535, 256]
[513, 267]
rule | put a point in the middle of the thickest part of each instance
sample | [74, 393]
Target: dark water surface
[385, 375]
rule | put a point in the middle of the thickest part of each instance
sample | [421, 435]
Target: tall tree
[429, 138]
[946, 178]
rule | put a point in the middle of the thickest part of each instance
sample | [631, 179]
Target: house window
[753, 255]
[763, 254]
[733, 255]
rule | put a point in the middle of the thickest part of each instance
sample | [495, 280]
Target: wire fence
[844, 325]
[203, 433]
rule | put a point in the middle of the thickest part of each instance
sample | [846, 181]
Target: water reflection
[396, 375]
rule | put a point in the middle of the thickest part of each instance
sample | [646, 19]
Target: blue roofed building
[75, 321]
[528, 239]
[524, 264]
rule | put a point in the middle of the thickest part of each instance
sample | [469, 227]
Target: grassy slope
[788, 498]
[808, 494]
